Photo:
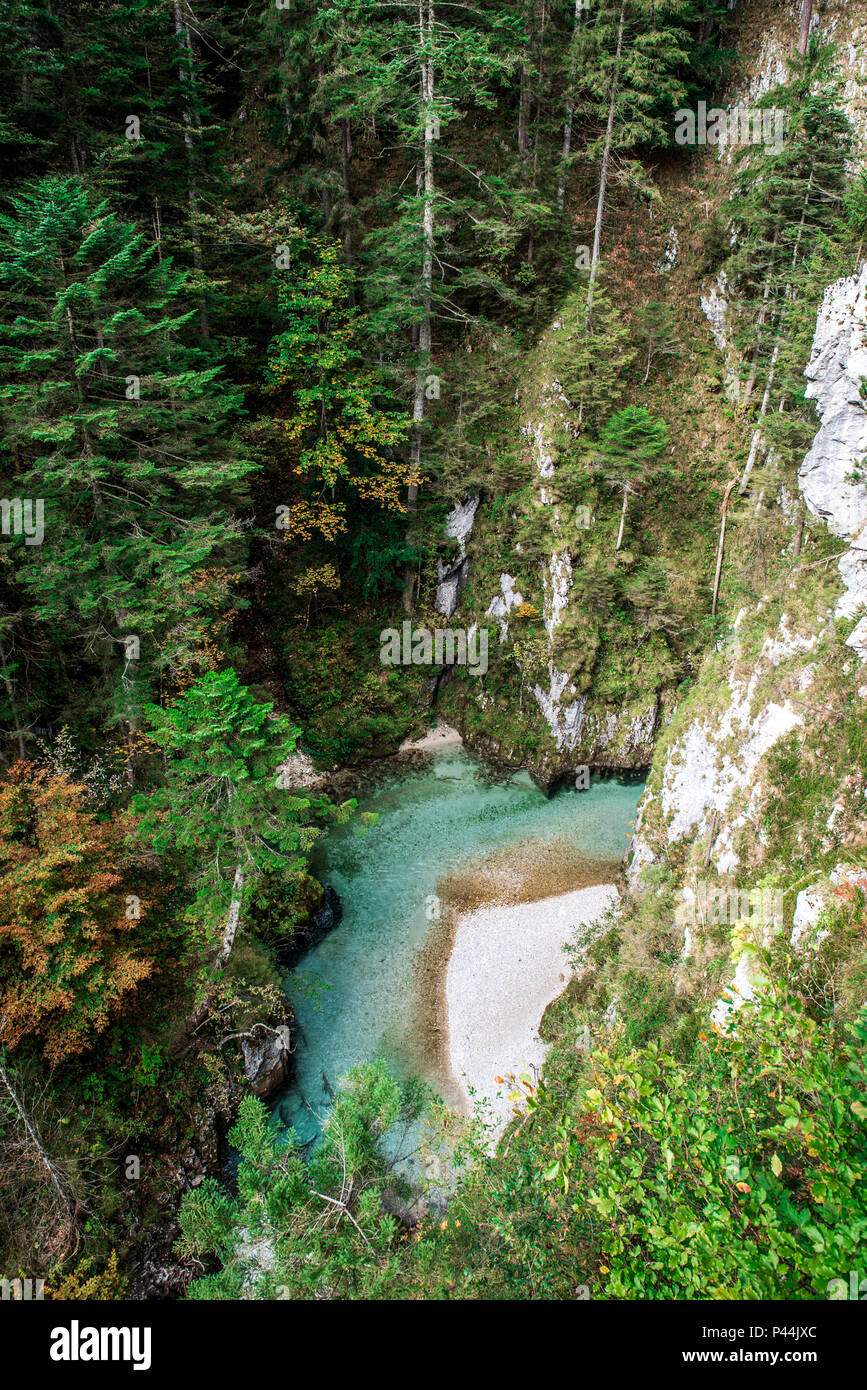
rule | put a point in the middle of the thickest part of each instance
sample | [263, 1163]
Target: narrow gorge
[433, 659]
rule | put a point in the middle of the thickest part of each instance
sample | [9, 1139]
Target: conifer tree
[656, 326]
[121, 434]
[324, 1218]
[590, 362]
[223, 804]
[574, 66]
[629, 446]
[414, 68]
[784, 200]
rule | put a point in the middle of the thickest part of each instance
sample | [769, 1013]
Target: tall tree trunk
[570, 111]
[129, 719]
[426, 35]
[804, 34]
[158, 227]
[622, 519]
[760, 323]
[721, 546]
[182, 32]
[345, 159]
[524, 111]
[603, 173]
[799, 530]
[763, 410]
[233, 920]
[540, 76]
[227, 941]
[787, 294]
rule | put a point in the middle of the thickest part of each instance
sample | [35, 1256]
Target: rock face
[501, 607]
[327, 917]
[812, 902]
[712, 786]
[565, 717]
[747, 983]
[452, 574]
[267, 1058]
[809, 906]
[838, 20]
[298, 773]
[560, 703]
[715, 305]
[830, 478]
[713, 767]
[538, 709]
[617, 738]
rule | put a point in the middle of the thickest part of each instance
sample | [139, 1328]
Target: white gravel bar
[507, 964]
[440, 736]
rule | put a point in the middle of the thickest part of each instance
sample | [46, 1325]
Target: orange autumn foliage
[67, 961]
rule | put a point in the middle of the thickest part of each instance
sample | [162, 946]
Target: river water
[443, 821]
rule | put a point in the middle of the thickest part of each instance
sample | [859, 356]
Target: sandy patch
[441, 736]
[507, 964]
[493, 962]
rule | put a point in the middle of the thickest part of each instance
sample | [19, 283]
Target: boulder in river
[267, 1058]
[326, 917]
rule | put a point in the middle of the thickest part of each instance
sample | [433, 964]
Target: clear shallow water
[354, 994]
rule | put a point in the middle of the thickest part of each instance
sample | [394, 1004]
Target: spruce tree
[629, 447]
[785, 200]
[223, 805]
[123, 436]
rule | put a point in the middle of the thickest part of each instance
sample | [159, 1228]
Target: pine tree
[590, 361]
[127, 106]
[629, 446]
[223, 807]
[413, 67]
[575, 65]
[656, 328]
[785, 199]
[121, 434]
[323, 1218]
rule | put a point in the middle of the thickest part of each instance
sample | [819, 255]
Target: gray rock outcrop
[452, 574]
[832, 477]
[267, 1058]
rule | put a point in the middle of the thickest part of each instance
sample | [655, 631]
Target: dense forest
[324, 318]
